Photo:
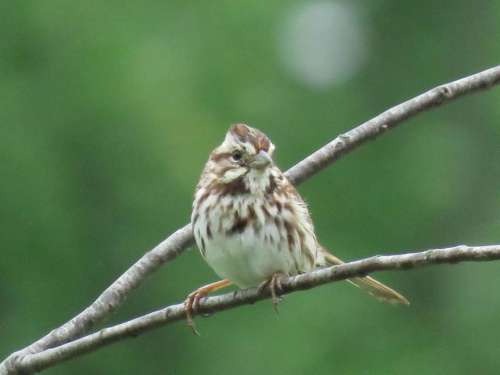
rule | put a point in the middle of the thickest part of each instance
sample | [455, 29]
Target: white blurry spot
[323, 43]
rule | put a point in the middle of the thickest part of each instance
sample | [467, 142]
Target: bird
[252, 226]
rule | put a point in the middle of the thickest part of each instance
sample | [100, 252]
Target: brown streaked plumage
[251, 224]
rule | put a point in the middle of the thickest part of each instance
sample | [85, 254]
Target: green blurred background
[109, 110]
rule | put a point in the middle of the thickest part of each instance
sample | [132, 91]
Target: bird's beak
[261, 160]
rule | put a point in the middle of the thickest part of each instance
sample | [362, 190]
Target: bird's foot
[275, 287]
[192, 302]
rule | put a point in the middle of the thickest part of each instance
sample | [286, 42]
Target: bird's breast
[248, 238]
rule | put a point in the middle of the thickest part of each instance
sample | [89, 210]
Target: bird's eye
[237, 155]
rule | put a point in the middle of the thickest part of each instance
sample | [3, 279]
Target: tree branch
[179, 241]
[211, 305]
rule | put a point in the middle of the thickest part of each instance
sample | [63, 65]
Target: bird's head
[245, 155]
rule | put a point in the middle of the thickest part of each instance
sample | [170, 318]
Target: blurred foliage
[109, 110]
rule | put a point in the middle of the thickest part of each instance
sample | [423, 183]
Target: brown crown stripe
[240, 130]
[245, 134]
[262, 142]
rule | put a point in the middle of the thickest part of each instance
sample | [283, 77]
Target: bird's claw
[191, 305]
[275, 287]
[192, 302]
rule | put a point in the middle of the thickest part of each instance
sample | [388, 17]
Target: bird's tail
[370, 285]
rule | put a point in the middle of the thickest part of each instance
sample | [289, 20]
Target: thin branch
[211, 305]
[179, 241]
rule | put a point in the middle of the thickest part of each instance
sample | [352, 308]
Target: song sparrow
[251, 225]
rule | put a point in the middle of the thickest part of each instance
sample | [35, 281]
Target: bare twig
[175, 244]
[211, 305]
